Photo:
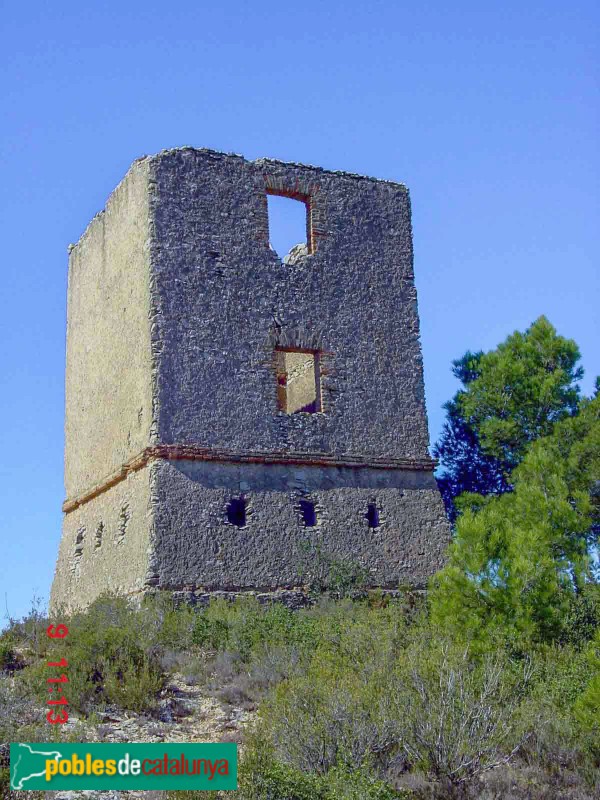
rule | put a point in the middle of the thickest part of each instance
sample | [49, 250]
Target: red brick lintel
[186, 452]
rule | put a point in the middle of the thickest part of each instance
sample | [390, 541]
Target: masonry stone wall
[224, 302]
[108, 388]
[113, 552]
[178, 312]
[197, 547]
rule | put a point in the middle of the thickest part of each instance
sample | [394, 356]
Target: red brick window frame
[303, 192]
[298, 374]
[302, 198]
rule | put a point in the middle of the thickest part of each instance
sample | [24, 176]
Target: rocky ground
[185, 714]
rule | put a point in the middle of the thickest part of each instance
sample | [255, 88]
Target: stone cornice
[187, 452]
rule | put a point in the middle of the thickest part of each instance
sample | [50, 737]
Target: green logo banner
[58, 766]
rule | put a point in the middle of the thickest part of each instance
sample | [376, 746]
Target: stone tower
[227, 414]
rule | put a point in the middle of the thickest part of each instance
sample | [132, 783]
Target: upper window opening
[308, 513]
[289, 222]
[372, 515]
[236, 511]
[298, 381]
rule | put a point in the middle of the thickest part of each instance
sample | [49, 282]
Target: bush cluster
[356, 697]
[112, 656]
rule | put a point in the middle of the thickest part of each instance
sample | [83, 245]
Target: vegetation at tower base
[488, 688]
[511, 396]
[356, 698]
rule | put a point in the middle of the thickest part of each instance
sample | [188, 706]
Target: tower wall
[105, 544]
[198, 548]
[178, 312]
[108, 409]
[224, 301]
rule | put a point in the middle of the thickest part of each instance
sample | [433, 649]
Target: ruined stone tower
[228, 413]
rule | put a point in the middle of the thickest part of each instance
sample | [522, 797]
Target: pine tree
[510, 397]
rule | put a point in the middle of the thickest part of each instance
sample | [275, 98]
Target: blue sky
[487, 111]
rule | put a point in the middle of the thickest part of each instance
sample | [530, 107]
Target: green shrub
[458, 709]
[210, 632]
[8, 656]
[379, 694]
[554, 740]
[582, 618]
[325, 573]
[245, 627]
[344, 783]
[175, 626]
[262, 777]
[562, 674]
[336, 707]
[111, 659]
[332, 713]
[587, 705]
[29, 632]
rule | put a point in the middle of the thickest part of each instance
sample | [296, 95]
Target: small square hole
[372, 515]
[308, 513]
[298, 381]
[236, 511]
